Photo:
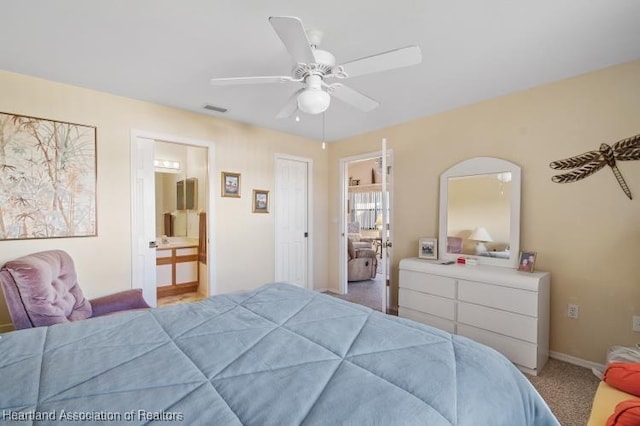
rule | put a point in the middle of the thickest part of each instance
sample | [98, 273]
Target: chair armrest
[358, 245]
[366, 252]
[122, 301]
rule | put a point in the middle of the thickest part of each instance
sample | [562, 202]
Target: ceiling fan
[313, 66]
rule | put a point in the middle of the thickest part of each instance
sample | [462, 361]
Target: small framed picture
[526, 261]
[260, 201]
[230, 184]
[428, 248]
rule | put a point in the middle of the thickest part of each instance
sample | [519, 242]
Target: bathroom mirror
[480, 211]
[187, 194]
[180, 180]
[170, 220]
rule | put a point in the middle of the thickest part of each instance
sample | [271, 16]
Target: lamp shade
[480, 234]
[379, 220]
[313, 100]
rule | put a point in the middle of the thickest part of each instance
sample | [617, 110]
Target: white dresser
[500, 307]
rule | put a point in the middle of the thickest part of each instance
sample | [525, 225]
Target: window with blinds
[365, 208]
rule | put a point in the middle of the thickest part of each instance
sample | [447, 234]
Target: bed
[278, 355]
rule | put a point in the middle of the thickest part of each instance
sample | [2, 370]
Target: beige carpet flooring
[367, 293]
[568, 390]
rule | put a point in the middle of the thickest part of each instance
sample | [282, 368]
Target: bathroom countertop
[176, 244]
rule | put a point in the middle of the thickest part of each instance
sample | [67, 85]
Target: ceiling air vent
[215, 108]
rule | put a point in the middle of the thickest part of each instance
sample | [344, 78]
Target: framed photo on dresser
[428, 248]
[526, 261]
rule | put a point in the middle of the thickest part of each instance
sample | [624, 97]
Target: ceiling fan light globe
[313, 101]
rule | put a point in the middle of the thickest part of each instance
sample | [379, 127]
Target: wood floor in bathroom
[180, 298]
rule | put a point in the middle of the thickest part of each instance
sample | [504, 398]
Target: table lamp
[379, 224]
[480, 236]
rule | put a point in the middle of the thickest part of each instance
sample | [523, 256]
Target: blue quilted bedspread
[278, 355]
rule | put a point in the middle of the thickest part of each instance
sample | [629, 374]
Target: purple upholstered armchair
[42, 289]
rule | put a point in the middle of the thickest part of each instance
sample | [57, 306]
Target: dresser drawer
[519, 352]
[434, 305]
[505, 298]
[427, 283]
[514, 325]
[437, 322]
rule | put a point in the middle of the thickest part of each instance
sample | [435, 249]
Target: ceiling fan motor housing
[323, 66]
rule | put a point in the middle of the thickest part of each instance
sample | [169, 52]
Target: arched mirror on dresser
[480, 211]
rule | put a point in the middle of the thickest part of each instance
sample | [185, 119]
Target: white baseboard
[5, 328]
[575, 360]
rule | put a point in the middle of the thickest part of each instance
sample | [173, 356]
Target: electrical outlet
[635, 325]
[573, 311]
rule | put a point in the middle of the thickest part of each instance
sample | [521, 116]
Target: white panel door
[292, 225]
[386, 231]
[143, 218]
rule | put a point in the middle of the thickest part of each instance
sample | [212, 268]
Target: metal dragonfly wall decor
[590, 162]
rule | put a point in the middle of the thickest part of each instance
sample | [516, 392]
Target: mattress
[278, 355]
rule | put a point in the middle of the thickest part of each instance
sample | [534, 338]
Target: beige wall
[361, 170]
[244, 242]
[587, 234]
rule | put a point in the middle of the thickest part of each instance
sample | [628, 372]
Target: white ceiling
[166, 51]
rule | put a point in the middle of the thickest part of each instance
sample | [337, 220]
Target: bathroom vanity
[177, 269]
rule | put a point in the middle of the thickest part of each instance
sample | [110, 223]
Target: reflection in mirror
[179, 168]
[169, 220]
[480, 211]
[187, 194]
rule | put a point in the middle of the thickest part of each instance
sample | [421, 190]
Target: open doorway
[363, 277]
[172, 205]
[180, 203]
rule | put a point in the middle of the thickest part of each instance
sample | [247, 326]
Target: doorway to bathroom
[171, 220]
[180, 198]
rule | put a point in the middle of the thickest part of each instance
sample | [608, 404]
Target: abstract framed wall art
[47, 178]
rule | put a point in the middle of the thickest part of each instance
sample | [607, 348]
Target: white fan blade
[292, 34]
[290, 106]
[353, 97]
[397, 58]
[235, 81]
